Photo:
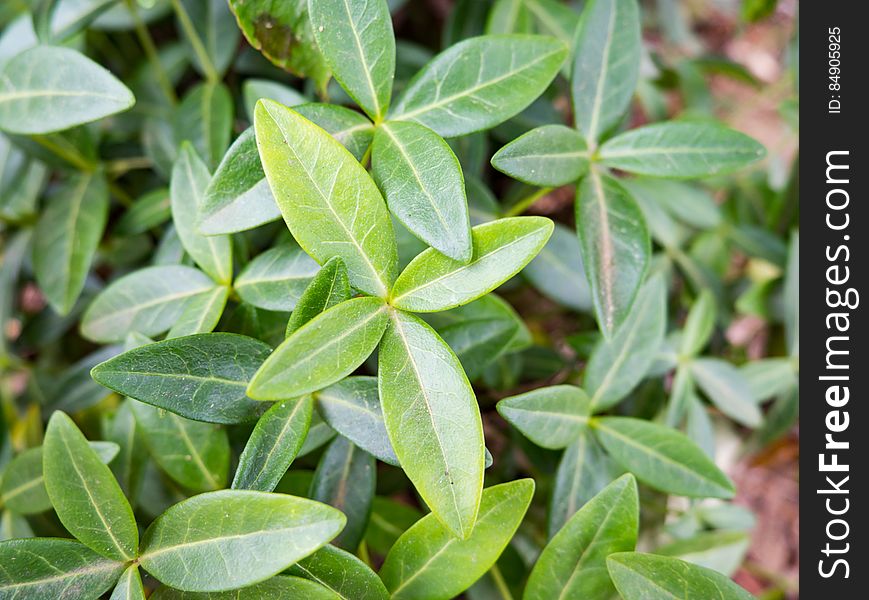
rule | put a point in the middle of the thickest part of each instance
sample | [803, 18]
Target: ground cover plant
[285, 314]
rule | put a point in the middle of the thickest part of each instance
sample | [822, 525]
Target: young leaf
[548, 156]
[147, 301]
[551, 417]
[273, 444]
[433, 282]
[328, 288]
[728, 390]
[232, 538]
[190, 177]
[606, 64]
[201, 377]
[352, 408]
[201, 313]
[324, 350]
[572, 565]
[662, 457]
[433, 420]
[423, 184]
[345, 478]
[615, 246]
[699, 324]
[87, 499]
[342, 573]
[129, 586]
[428, 561]
[51, 569]
[558, 271]
[66, 238]
[618, 364]
[357, 41]
[238, 197]
[344, 212]
[276, 588]
[276, 279]
[479, 83]
[49, 88]
[204, 119]
[681, 150]
[635, 575]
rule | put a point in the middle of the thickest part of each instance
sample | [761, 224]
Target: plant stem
[525, 203]
[198, 47]
[500, 583]
[151, 52]
[119, 166]
[75, 159]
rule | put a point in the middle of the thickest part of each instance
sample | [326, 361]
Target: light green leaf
[508, 16]
[558, 271]
[344, 212]
[54, 569]
[328, 288]
[433, 420]
[389, 519]
[233, 538]
[352, 408]
[204, 118]
[147, 301]
[84, 493]
[615, 247]
[618, 364]
[357, 41]
[276, 588]
[423, 184]
[324, 350]
[551, 417]
[551, 155]
[662, 457]
[66, 238]
[49, 88]
[480, 82]
[728, 389]
[429, 561]
[721, 551]
[554, 18]
[572, 565]
[201, 313]
[433, 282]
[14, 526]
[201, 377]
[129, 586]
[253, 90]
[72, 16]
[683, 149]
[685, 201]
[641, 576]
[699, 324]
[606, 64]
[273, 444]
[190, 177]
[343, 573]
[770, 377]
[276, 279]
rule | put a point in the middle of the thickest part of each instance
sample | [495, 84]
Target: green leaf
[572, 565]
[276, 279]
[423, 184]
[328, 288]
[343, 573]
[73, 16]
[282, 32]
[486, 310]
[558, 271]
[681, 150]
[551, 417]
[551, 155]
[54, 569]
[389, 519]
[66, 238]
[129, 467]
[318, 435]
[345, 478]
[194, 454]
[728, 389]
[791, 295]
[149, 211]
[615, 247]
[204, 118]
[14, 526]
[508, 16]
[479, 83]
[637, 575]
[606, 64]
[202, 377]
[276, 588]
[201, 313]
[216, 35]
[190, 177]
[721, 551]
[357, 41]
[433, 420]
[769, 377]
[618, 364]
[662, 457]
[49, 88]
[433, 282]
[129, 586]
[238, 197]
[479, 342]
[324, 350]
[273, 444]
[344, 213]
[232, 538]
[428, 561]
[87, 499]
[699, 324]
[352, 408]
[348, 127]
[253, 90]
[147, 301]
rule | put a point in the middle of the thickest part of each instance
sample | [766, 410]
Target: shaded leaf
[276, 279]
[329, 287]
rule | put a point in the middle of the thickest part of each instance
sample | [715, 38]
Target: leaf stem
[525, 203]
[500, 583]
[211, 73]
[151, 52]
[75, 159]
[119, 166]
